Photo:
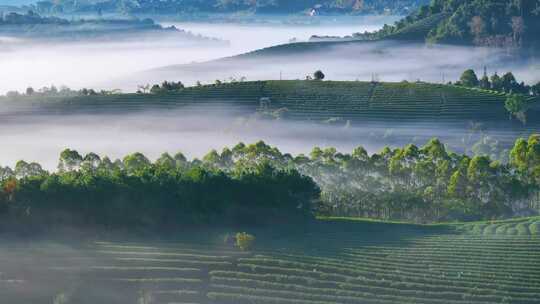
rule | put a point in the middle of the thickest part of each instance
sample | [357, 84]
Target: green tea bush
[512, 231]
[534, 228]
[479, 228]
[523, 229]
[490, 229]
[244, 240]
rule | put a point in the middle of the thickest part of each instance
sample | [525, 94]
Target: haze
[37, 135]
[24, 63]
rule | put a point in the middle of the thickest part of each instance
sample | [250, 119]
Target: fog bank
[40, 136]
[383, 61]
[100, 65]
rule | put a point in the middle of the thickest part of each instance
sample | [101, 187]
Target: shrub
[535, 228]
[244, 240]
[522, 229]
[490, 229]
[501, 230]
[512, 231]
[318, 75]
[479, 228]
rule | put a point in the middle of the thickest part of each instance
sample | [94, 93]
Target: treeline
[259, 184]
[134, 192]
[30, 18]
[421, 184]
[169, 7]
[62, 91]
[517, 102]
[507, 83]
[480, 22]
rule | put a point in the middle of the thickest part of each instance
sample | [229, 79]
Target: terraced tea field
[304, 100]
[331, 261]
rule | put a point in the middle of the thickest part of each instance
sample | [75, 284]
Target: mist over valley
[269, 151]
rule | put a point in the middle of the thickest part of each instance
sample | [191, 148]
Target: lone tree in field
[469, 78]
[244, 241]
[318, 75]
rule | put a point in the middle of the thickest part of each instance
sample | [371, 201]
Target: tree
[469, 78]
[478, 28]
[135, 162]
[484, 82]
[509, 83]
[166, 161]
[155, 89]
[143, 88]
[318, 75]
[517, 105]
[91, 162]
[457, 187]
[535, 89]
[5, 173]
[30, 91]
[69, 160]
[518, 28]
[496, 82]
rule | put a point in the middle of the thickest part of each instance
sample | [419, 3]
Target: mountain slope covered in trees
[477, 22]
[168, 7]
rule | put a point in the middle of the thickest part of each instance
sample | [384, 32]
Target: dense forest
[478, 22]
[168, 7]
[257, 183]
[89, 191]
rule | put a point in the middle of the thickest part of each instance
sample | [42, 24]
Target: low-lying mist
[384, 61]
[107, 65]
[86, 64]
[40, 136]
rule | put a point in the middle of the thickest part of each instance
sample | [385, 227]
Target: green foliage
[205, 7]
[167, 87]
[516, 105]
[480, 22]
[469, 79]
[244, 241]
[534, 228]
[258, 183]
[318, 75]
[523, 229]
[138, 192]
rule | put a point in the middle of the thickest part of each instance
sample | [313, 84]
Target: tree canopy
[257, 183]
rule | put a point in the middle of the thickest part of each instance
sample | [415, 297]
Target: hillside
[380, 114]
[474, 22]
[331, 261]
[314, 101]
[43, 28]
[171, 7]
[494, 23]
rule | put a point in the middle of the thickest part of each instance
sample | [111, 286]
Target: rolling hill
[312, 101]
[425, 110]
[330, 261]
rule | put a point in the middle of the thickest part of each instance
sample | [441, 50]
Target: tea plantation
[330, 261]
[303, 100]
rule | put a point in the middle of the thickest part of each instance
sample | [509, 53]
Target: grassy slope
[311, 100]
[332, 261]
